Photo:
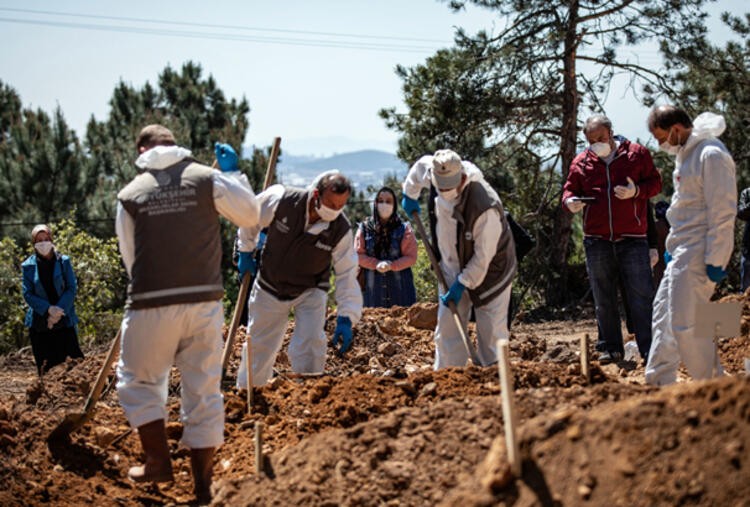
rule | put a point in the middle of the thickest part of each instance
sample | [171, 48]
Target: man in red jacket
[611, 181]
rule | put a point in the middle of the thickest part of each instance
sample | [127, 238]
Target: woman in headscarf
[387, 250]
[49, 288]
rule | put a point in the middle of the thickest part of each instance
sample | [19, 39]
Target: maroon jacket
[609, 217]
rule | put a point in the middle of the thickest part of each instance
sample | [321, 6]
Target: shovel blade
[71, 423]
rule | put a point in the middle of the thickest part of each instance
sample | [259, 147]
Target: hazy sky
[315, 72]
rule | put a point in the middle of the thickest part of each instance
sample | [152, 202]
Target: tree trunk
[557, 287]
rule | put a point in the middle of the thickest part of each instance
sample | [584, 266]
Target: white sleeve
[720, 193]
[486, 231]
[268, 201]
[418, 177]
[348, 291]
[234, 199]
[125, 229]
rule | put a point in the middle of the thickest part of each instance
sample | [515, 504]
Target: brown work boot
[158, 465]
[202, 463]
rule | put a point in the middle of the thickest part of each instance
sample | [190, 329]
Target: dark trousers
[53, 347]
[608, 263]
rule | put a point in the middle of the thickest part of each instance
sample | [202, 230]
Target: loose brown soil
[380, 427]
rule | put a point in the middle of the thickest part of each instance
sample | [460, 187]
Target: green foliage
[43, 169]
[12, 306]
[425, 280]
[707, 77]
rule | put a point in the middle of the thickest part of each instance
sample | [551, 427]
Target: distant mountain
[364, 167]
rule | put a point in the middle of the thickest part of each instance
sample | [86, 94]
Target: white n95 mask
[328, 214]
[601, 150]
[44, 247]
[385, 210]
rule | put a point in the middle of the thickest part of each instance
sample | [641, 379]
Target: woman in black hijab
[387, 250]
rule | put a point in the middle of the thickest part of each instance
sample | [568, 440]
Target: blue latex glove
[667, 257]
[410, 205]
[246, 263]
[454, 293]
[343, 331]
[715, 273]
[261, 241]
[226, 157]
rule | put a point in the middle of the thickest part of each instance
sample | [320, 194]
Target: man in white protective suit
[168, 231]
[307, 235]
[699, 245]
[476, 251]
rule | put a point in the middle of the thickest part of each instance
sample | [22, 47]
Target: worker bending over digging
[168, 230]
[475, 248]
[307, 234]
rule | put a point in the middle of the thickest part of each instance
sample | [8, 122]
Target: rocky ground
[381, 428]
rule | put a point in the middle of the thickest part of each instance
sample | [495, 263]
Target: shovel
[74, 421]
[441, 279]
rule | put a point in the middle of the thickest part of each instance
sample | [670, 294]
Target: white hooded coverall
[701, 215]
[268, 316]
[492, 318]
[187, 335]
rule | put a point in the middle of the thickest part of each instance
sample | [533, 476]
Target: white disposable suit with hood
[268, 316]
[491, 318]
[701, 215]
[187, 335]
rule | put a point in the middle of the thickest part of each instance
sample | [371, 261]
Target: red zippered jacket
[608, 217]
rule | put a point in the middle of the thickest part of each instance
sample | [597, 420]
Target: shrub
[12, 306]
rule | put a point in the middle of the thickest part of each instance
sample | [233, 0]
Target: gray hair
[595, 121]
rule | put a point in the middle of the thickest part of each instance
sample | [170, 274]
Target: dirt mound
[684, 445]
[378, 427]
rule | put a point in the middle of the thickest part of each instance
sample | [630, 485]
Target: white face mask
[671, 149]
[328, 214]
[449, 195]
[44, 247]
[385, 210]
[601, 150]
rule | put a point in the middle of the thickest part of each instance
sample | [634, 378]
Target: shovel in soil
[75, 420]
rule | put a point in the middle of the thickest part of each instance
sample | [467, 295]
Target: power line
[326, 43]
[229, 27]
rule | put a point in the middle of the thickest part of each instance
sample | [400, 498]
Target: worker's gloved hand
[410, 205]
[626, 192]
[226, 157]
[454, 293]
[715, 273]
[344, 332]
[574, 205]
[667, 257]
[383, 266]
[246, 264]
[653, 255]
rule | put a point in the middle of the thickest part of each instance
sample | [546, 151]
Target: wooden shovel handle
[101, 378]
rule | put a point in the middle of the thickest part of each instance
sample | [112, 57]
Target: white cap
[446, 169]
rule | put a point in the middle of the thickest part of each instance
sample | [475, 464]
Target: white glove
[383, 266]
[574, 205]
[627, 192]
[653, 254]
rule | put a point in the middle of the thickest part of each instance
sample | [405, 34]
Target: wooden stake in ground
[509, 410]
[258, 447]
[585, 361]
